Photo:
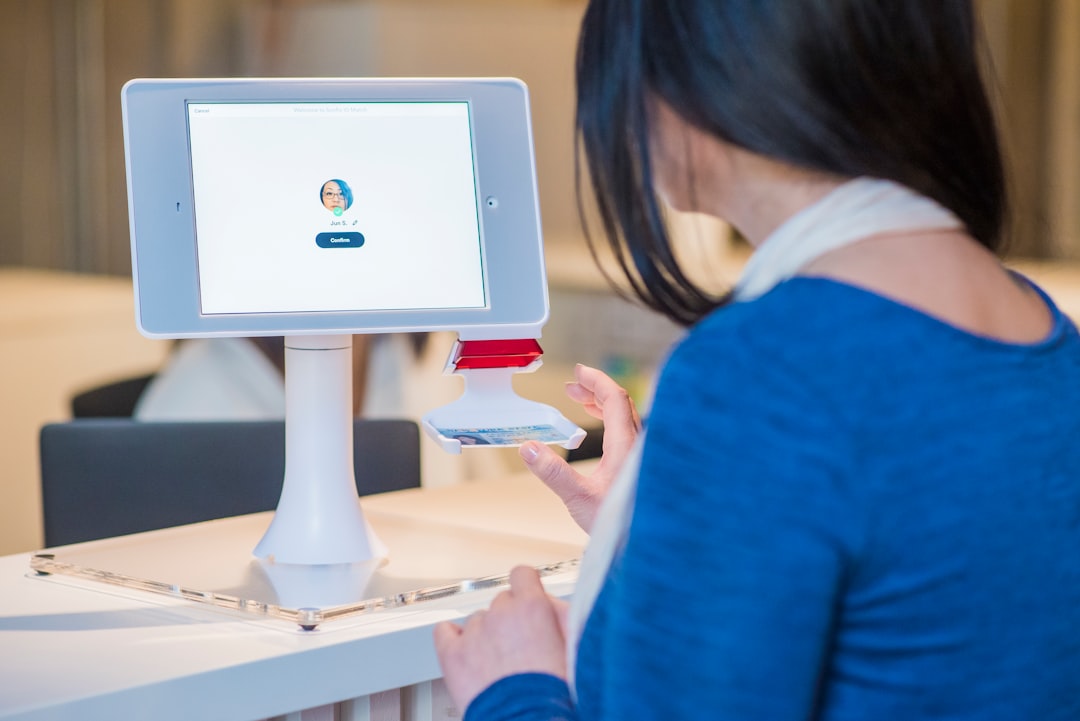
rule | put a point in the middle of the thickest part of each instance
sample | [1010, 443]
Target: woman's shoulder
[798, 309]
[774, 362]
[801, 324]
[814, 347]
[825, 326]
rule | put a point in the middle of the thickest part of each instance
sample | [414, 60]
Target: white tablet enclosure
[332, 206]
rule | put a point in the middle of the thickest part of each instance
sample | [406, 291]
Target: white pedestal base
[318, 518]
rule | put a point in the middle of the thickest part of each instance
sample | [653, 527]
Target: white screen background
[258, 170]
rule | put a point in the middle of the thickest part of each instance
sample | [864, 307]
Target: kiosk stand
[318, 518]
[389, 205]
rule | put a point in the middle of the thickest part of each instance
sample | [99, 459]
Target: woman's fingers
[551, 468]
[525, 581]
[520, 632]
[447, 636]
[578, 492]
[603, 398]
[596, 389]
[621, 422]
[585, 397]
[562, 615]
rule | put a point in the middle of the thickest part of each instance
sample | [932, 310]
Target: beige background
[63, 196]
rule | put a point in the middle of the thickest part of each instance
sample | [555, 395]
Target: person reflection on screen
[336, 194]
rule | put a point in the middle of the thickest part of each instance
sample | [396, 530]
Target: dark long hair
[881, 88]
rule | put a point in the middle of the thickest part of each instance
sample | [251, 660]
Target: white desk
[78, 649]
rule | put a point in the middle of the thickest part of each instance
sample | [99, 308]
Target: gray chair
[104, 477]
[112, 400]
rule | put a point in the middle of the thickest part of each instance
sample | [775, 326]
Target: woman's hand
[601, 398]
[522, 632]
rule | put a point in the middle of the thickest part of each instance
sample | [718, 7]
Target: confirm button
[339, 240]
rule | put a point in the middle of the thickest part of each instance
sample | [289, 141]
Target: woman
[336, 195]
[859, 496]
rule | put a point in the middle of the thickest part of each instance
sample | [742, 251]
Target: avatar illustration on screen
[336, 196]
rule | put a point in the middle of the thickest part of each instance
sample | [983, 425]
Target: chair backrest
[103, 477]
[112, 400]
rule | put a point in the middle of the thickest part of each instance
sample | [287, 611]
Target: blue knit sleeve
[523, 697]
[721, 604]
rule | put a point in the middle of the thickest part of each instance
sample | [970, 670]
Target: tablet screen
[335, 206]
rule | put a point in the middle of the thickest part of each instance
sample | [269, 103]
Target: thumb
[552, 469]
[446, 636]
[562, 614]
[574, 489]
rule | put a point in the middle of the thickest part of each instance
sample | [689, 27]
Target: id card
[510, 436]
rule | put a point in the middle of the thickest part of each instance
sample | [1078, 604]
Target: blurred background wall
[66, 305]
[62, 63]
[62, 185]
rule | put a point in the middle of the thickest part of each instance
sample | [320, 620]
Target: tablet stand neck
[318, 518]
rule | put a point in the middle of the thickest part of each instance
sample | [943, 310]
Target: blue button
[339, 240]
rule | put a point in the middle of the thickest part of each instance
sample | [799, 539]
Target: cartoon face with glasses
[336, 196]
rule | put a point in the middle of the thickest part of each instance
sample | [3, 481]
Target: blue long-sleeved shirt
[846, 510]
